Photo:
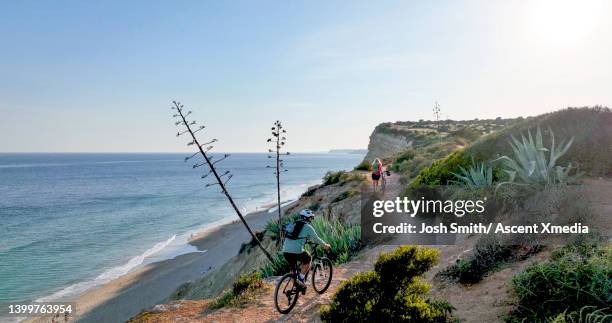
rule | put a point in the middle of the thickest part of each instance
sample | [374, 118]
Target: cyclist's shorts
[292, 258]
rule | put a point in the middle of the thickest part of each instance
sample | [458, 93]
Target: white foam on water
[175, 246]
[107, 275]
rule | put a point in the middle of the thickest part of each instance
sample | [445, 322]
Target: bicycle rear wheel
[286, 293]
[322, 272]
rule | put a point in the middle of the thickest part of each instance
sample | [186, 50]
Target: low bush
[467, 133]
[335, 177]
[576, 276]
[392, 292]
[489, 255]
[402, 158]
[341, 177]
[343, 196]
[240, 289]
[441, 171]
[364, 165]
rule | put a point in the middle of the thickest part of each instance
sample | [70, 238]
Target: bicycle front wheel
[322, 272]
[286, 293]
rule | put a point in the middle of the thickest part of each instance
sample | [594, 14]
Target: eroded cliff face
[384, 145]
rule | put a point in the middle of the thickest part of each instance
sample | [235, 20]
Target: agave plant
[476, 176]
[535, 164]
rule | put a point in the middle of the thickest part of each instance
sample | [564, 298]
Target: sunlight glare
[563, 22]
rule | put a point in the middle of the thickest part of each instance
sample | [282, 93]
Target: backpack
[292, 230]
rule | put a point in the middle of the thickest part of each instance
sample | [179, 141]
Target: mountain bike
[383, 179]
[288, 291]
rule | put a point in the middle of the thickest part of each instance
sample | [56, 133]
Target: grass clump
[341, 177]
[587, 314]
[392, 292]
[364, 165]
[344, 239]
[343, 196]
[241, 289]
[575, 277]
[489, 255]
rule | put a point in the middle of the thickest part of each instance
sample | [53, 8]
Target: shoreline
[143, 287]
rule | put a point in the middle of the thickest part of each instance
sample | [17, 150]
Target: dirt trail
[261, 308]
[489, 298]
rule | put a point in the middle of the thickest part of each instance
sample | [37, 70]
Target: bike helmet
[307, 214]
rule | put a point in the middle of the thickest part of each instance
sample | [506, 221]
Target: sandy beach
[127, 295]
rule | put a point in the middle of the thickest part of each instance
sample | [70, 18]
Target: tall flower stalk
[220, 179]
[278, 140]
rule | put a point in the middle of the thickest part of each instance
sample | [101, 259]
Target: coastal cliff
[475, 266]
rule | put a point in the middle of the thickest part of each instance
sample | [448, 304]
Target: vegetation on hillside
[535, 164]
[342, 177]
[364, 165]
[489, 255]
[577, 281]
[392, 292]
[242, 290]
[586, 137]
[344, 239]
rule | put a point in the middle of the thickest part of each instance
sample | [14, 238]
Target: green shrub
[341, 177]
[364, 165]
[467, 133]
[441, 171]
[335, 177]
[392, 292]
[575, 277]
[240, 288]
[489, 255]
[355, 300]
[405, 156]
[343, 196]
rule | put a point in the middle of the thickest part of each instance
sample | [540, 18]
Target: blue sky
[100, 76]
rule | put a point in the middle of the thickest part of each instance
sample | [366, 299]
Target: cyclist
[293, 246]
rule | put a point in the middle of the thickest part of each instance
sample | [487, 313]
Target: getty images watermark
[431, 218]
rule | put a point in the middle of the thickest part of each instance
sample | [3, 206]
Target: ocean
[69, 222]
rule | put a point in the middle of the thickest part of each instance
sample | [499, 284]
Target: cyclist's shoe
[301, 285]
